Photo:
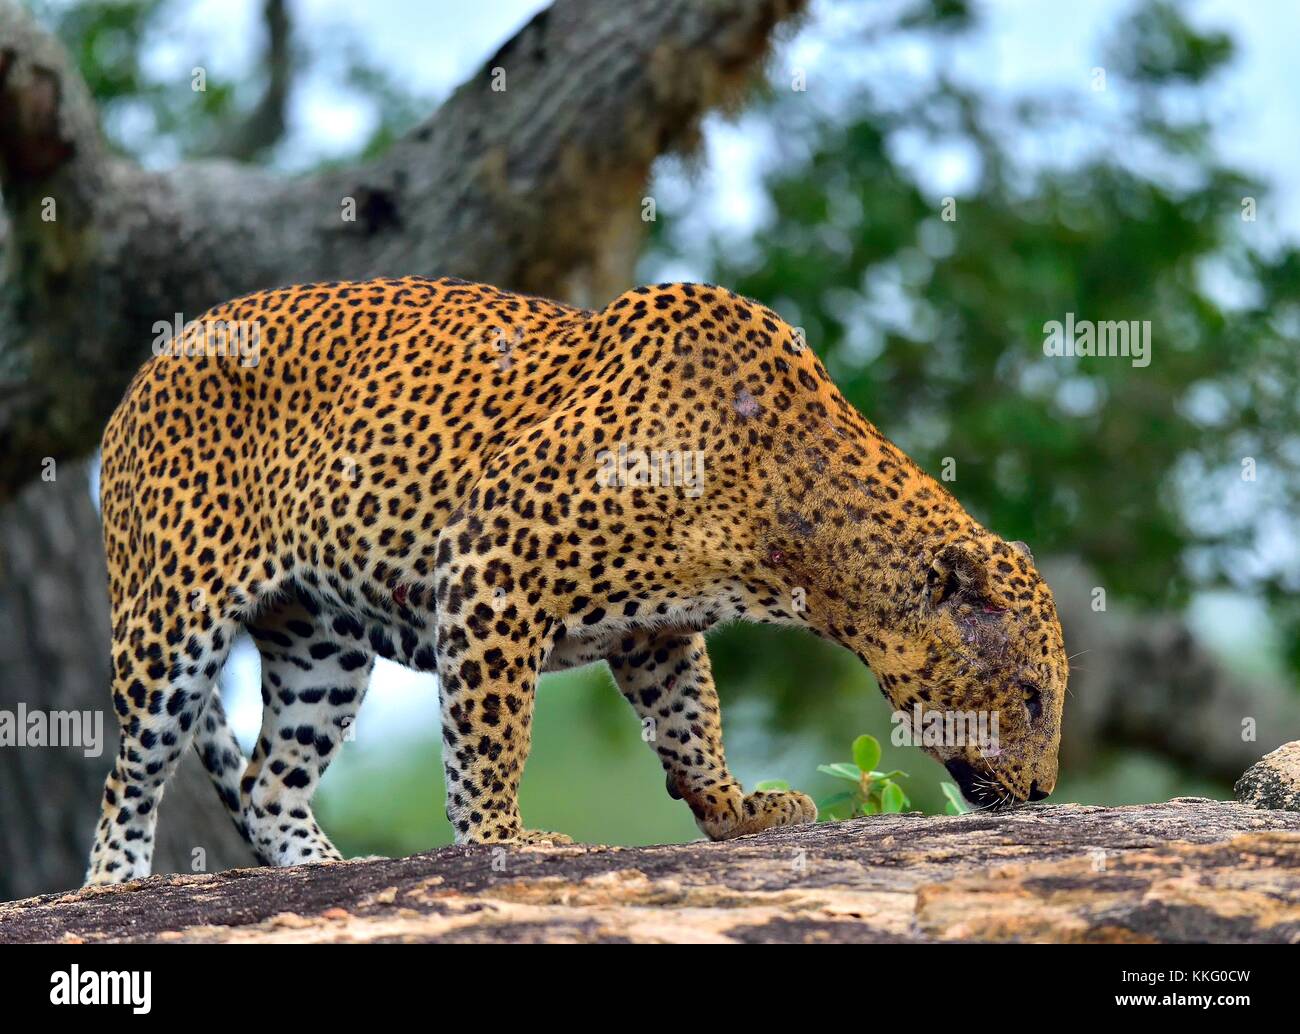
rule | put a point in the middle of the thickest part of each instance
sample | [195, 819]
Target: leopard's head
[981, 660]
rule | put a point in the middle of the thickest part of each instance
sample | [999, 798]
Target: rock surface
[1188, 870]
[1273, 781]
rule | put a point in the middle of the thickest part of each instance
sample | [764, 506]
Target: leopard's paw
[768, 809]
[541, 837]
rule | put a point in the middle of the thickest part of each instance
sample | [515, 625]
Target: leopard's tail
[223, 758]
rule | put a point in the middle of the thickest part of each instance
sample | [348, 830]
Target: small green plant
[956, 804]
[873, 793]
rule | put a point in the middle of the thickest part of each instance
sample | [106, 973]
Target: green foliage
[142, 109]
[150, 110]
[1158, 46]
[956, 803]
[873, 793]
[105, 41]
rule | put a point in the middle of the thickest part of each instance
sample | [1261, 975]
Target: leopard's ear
[1023, 549]
[957, 572]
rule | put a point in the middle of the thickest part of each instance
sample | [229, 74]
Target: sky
[1022, 46]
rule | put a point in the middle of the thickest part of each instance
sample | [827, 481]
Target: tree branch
[1142, 681]
[264, 125]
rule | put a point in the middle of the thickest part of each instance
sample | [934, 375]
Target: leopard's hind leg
[315, 669]
[165, 658]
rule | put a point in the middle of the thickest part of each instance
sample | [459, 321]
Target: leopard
[489, 486]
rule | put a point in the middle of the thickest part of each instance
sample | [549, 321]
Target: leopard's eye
[1033, 699]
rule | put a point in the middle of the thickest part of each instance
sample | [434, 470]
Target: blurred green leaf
[866, 752]
[842, 770]
[836, 800]
[956, 802]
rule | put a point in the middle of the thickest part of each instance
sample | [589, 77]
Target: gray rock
[1273, 782]
[1180, 872]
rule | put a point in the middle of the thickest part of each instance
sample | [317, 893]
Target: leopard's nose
[1035, 794]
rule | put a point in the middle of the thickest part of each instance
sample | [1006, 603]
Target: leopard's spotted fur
[412, 470]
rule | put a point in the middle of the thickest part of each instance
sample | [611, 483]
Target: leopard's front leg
[668, 680]
[490, 649]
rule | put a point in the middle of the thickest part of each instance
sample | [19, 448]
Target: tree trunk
[1141, 681]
